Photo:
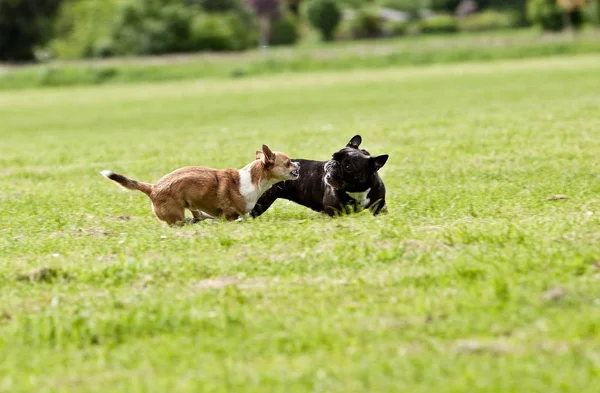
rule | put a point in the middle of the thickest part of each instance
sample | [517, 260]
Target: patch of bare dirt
[430, 228]
[557, 197]
[225, 281]
[554, 347]
[42, 274]
[261, 282]
[422, 245]
[553, 294]
[93, 232]
[476, 346]
[145, 281]
[188, 234]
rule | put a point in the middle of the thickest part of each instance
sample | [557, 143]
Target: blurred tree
[24, 25]
[266, 8]
[293, 6]
[556, 15]
[513, 6]
[284, 30]
[410, 6]
[572, 13]
[325, 16]
[152, 27]
[82, 28]
[266, 11]
[545, 14]
[447, 6]
[356, 3]
[216, 5]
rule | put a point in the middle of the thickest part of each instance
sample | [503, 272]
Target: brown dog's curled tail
[127, 183]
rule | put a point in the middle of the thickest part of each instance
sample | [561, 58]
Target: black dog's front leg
[265, 201]
[377, 198]
[331, 203]
[379, 207]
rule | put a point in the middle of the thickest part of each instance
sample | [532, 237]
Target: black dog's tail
[127, 183]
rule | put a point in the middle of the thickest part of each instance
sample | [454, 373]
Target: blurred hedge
[92, 28]
[284, 31]
[24, 25]
[102, 28]
[83, 28]
[489, 20]
[548, 15]
[439, 24]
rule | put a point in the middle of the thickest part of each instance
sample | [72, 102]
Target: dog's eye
[347, 167]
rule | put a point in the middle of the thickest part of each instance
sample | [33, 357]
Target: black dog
[349, 182]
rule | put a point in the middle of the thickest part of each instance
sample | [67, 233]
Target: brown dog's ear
[269, 156]
[259, 155]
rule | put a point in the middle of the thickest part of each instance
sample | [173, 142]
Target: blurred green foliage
[24, 25]
[71, 29]
[439, 24]
[489, 20]
[325, 16]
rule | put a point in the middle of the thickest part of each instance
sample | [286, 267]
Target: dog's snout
[295, 172]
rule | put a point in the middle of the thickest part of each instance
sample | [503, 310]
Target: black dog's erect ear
[355, 142]
[378, 161]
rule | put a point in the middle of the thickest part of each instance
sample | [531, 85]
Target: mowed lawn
[482, 277]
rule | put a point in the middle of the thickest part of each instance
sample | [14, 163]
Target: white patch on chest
[360, 197]
[248, 190]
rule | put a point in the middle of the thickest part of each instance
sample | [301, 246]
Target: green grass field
[474, 281]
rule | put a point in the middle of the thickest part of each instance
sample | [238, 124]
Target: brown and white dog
[211, 193]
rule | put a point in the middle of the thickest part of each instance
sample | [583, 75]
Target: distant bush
[367, 24]
[545, 14]
[220, 32]
[152, 27]
[410, 6]
[395, 29]
[356, 3]
[167, 26]
[448, 6]
[293, 6]
[83, 29]
[25, 25]
[243, 25]
[284, 31]
[488, 20]
[93, 28]
[325, 16]
[439, 24]
[211, 32]
[216, 5]
[573, 12]
[516, 7]
[577, 18]
[592, 13]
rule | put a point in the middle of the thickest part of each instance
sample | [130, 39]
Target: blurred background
[297, 35]
[74, 29]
